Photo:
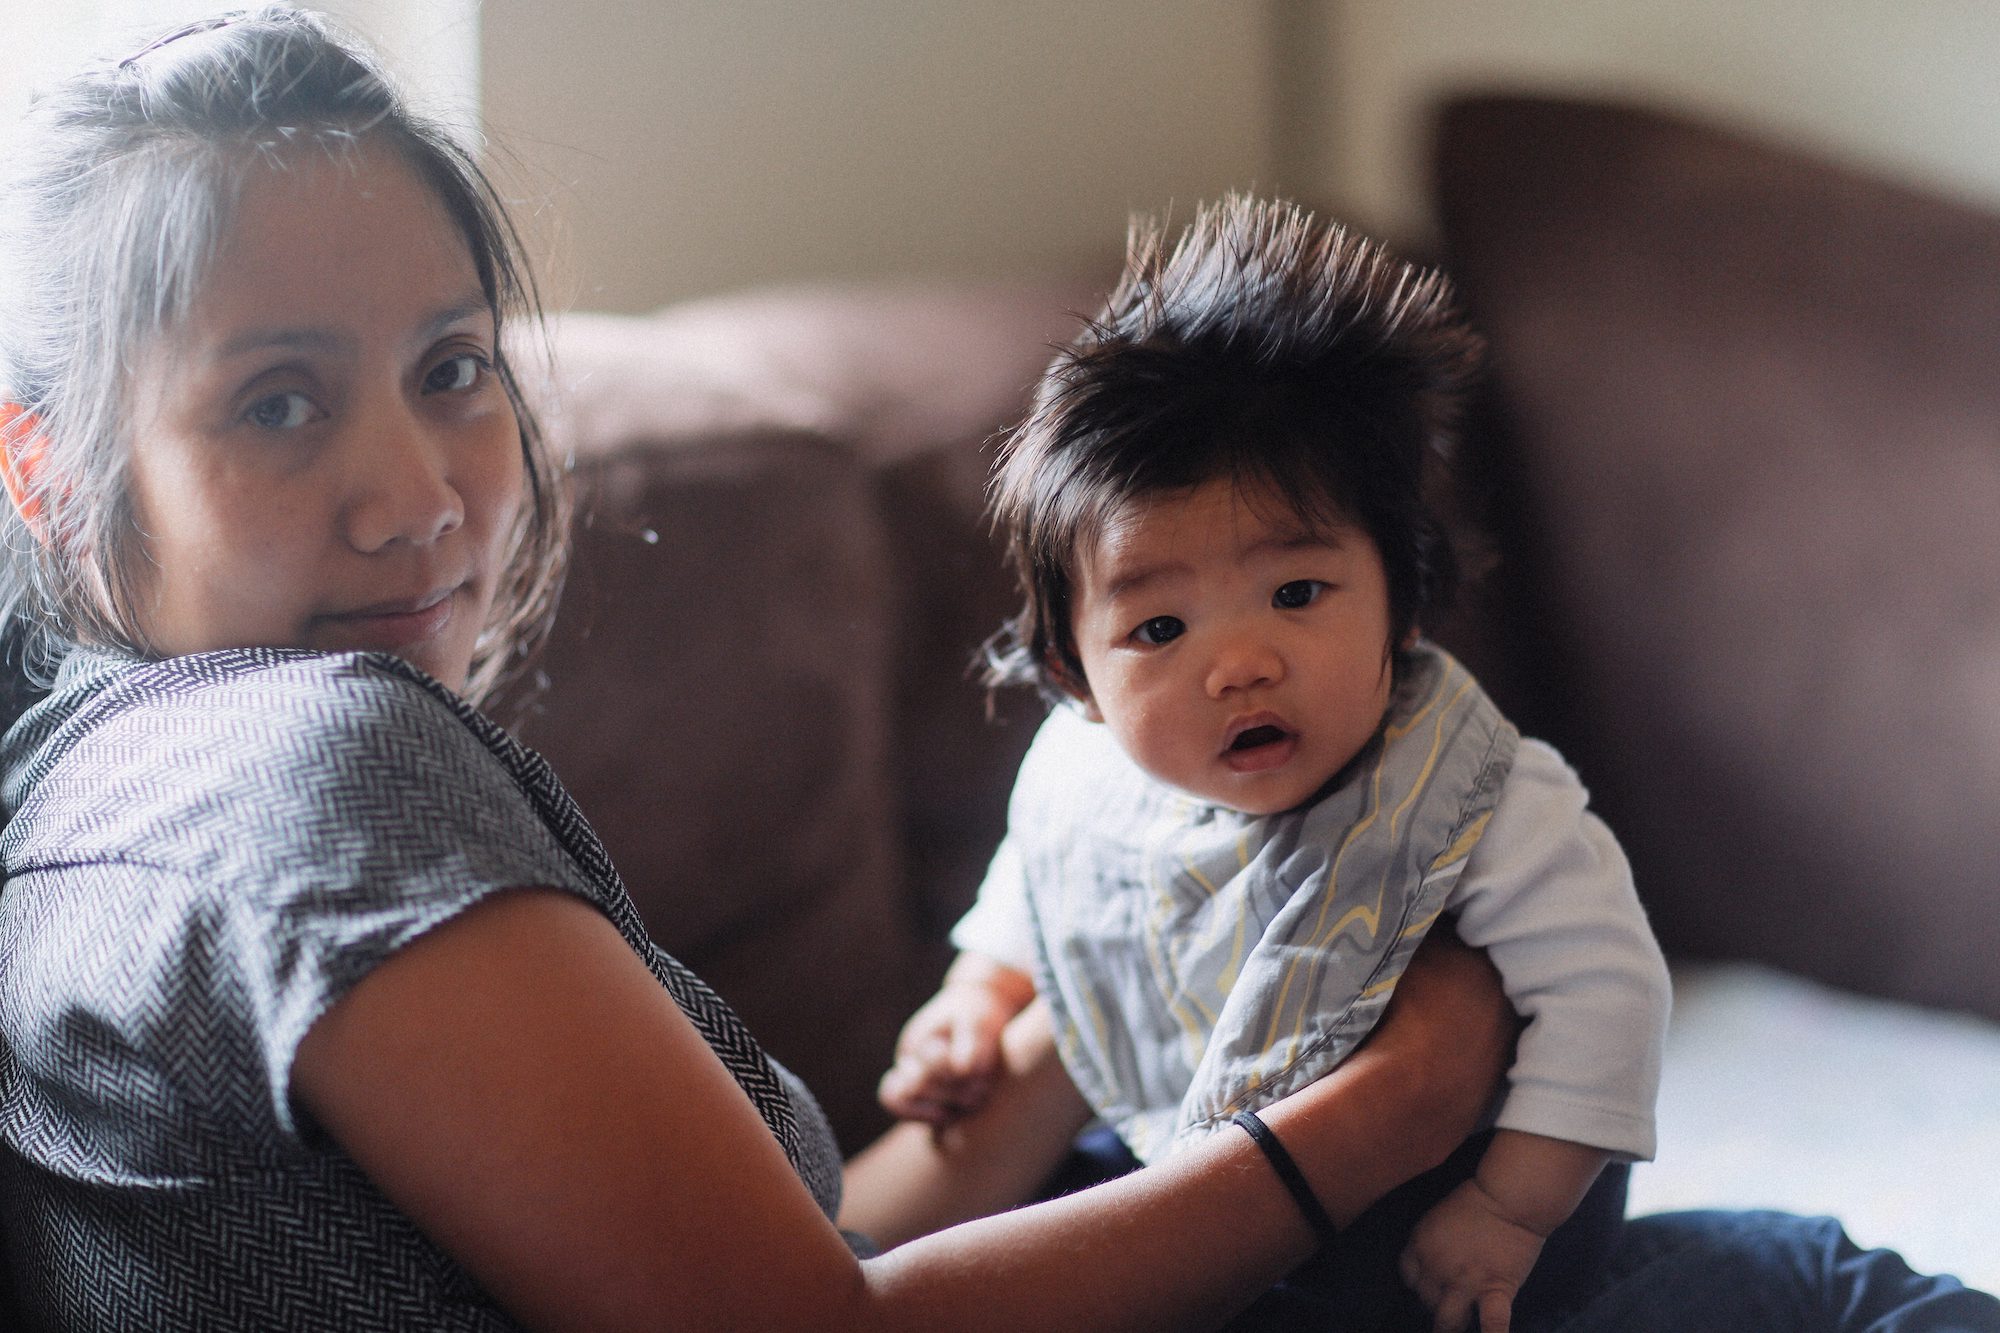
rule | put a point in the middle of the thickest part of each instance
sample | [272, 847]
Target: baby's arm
[1471, 1253]
[949, 1051]
[1548, 895]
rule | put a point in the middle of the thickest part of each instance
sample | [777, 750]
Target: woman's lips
[391, 626]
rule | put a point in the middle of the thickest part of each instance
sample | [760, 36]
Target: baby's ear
[1072, 684]
[22, 448]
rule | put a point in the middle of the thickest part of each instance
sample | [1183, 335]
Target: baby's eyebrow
[1301, 539]
[1124, 580]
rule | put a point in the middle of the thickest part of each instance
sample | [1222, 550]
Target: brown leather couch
[1741, 461]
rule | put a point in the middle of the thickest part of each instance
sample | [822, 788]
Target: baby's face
[1236, 653]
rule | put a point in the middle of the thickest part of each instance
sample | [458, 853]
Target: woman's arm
[915, 1179]
[520, 1085]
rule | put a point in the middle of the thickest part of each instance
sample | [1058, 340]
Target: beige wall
[692, 146]
[697, 145]
[431, 46]
[1909, 87]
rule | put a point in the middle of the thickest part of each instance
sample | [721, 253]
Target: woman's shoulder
[259, 710]
[235, 839]
[253, 748]
[251, 689]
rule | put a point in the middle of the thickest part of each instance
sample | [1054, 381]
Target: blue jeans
[1770, 1272]
[1696, 1272]
[1710, 1272]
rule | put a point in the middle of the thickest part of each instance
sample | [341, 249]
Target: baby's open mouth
[1257, 736]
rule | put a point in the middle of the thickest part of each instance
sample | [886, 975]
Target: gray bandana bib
[1201, 961]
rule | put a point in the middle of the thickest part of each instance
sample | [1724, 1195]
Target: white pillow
[1780, 1093]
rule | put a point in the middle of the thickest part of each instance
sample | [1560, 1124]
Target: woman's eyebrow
[307, 338]
[457, 311]
[299, 339]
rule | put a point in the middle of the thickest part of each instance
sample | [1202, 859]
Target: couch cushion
[1752, 404]
[1779, 1093]
[782, 572]
[718, 704]
[911, 380]
[895, 369]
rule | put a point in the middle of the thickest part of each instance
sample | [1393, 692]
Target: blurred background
[702, 145]
[687, 147]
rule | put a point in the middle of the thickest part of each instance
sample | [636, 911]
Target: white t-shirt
[1548, 894]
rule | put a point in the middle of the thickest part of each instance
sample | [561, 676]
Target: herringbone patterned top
[201, 855]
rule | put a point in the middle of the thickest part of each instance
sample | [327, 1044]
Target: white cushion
[1780, 1093]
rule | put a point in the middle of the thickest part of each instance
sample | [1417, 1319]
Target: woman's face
[321, 453]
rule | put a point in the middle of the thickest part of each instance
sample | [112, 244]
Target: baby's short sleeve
[202, 864]
[999, 924]
[1549, 895]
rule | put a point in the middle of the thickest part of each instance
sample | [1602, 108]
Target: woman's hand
[1413, 1090]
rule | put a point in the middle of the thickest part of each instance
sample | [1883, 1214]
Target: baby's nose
[1244, 663]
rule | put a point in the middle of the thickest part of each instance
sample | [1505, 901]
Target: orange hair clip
[22, 446]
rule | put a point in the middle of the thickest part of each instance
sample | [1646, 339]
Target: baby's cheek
[1158, 744]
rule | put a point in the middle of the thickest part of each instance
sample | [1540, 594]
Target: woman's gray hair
[117, 198]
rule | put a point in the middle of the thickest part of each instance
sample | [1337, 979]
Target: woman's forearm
[1414, 1090]
[1180, 1245]
[516, 1082]
[1184, 1243]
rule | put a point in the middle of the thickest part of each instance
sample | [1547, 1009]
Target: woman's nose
[401, 483]
[1242, 662]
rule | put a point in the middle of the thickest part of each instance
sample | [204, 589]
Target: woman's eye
[1159, 630]
[281, 411]
[455, 373]
[1299, 592]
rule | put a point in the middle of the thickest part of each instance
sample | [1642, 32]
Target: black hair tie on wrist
[1289, 1176]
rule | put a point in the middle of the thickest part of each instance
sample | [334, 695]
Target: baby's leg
[1683, 1272]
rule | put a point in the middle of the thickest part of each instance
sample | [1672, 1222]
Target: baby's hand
[1467, 1258]
[949, 1051]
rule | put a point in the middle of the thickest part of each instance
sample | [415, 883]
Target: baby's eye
[455, 373]
[281, 411]
[1299, 592]
[1159, 630]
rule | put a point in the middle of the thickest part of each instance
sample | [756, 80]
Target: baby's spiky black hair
[1291, 356]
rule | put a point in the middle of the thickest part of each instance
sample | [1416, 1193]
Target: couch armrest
[1751, 401]
[764, 704]
[718, 704]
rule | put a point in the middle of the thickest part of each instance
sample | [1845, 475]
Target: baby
[1261, 786]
